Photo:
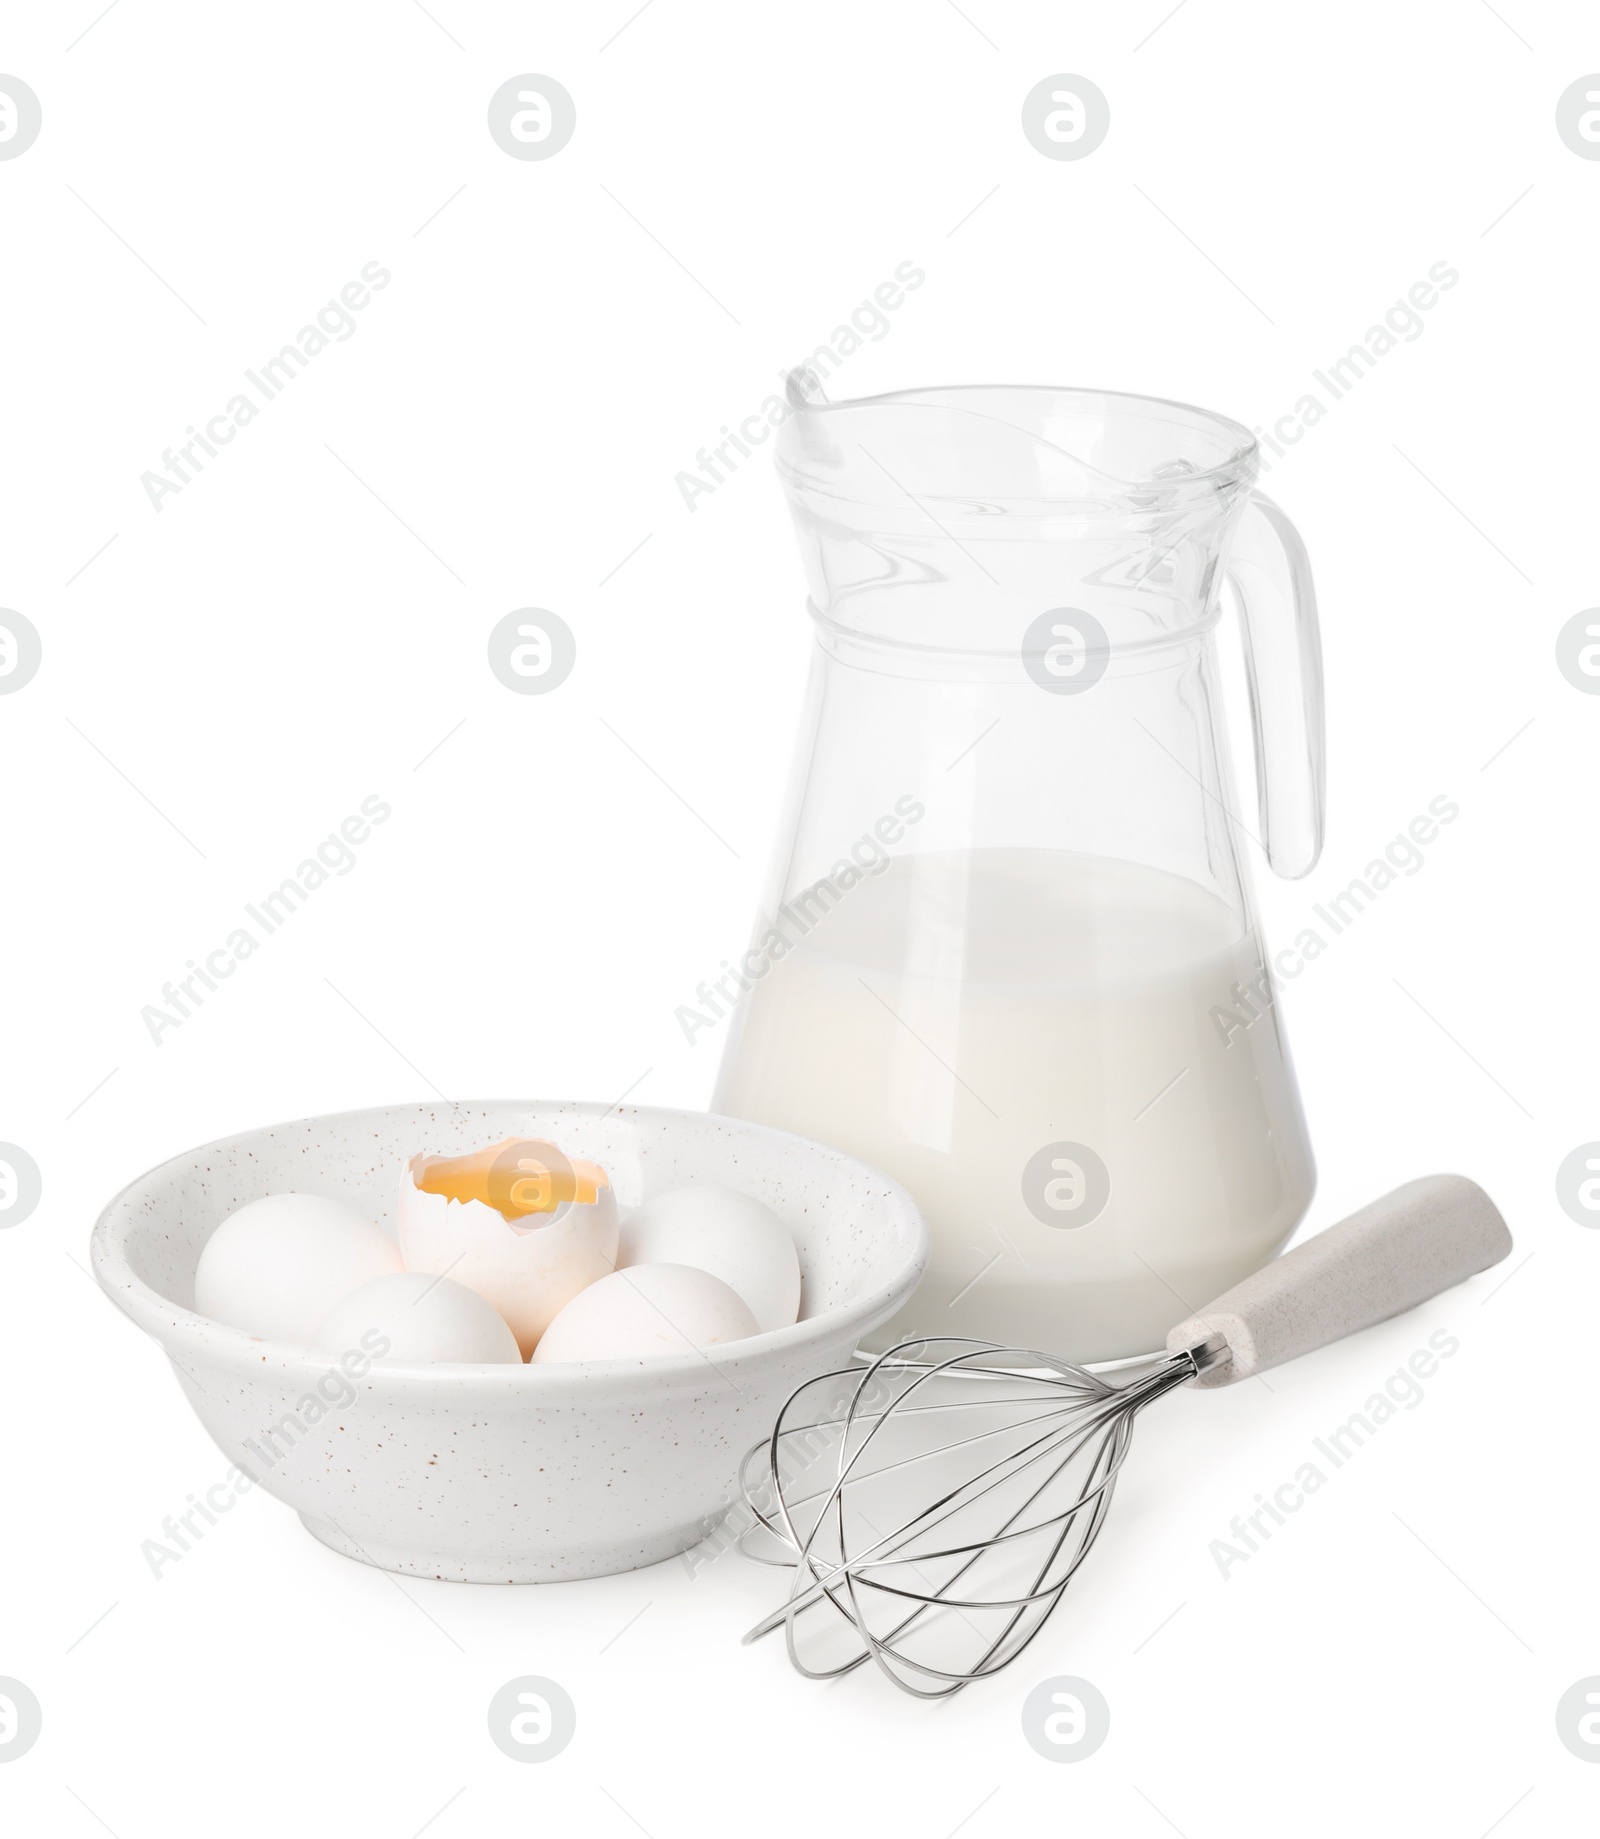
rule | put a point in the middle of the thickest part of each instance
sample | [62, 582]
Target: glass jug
[1009, 952]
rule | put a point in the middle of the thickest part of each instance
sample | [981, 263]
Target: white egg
[412, 1317]
[278, 1265]
[650, 1309]
[529, 1267]
[734, 1236]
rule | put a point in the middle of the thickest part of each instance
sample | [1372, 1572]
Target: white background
[276, 643]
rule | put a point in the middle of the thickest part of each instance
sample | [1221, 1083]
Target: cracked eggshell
[529, 1274]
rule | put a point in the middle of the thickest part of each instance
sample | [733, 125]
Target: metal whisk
[935, 1503]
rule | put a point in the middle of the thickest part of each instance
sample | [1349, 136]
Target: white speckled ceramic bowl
[506, 1474]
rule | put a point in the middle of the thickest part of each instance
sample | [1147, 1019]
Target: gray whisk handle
[1392, 1255]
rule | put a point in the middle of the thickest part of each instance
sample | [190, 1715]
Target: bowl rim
[182, 1331]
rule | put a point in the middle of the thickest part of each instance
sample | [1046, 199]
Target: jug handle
[1270, 574]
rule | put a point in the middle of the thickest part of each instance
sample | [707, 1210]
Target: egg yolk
[519, 1177]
